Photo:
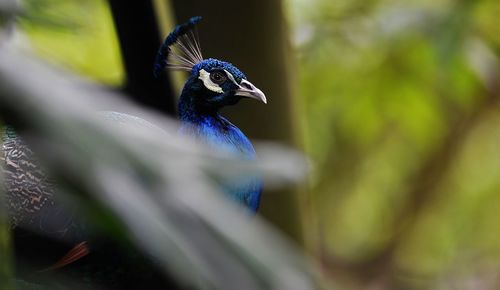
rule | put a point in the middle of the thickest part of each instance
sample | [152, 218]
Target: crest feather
[181, 49]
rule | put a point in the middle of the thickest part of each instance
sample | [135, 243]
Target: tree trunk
[139, 36]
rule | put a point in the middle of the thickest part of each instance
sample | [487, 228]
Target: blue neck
[203, 121]
[192, 108]
[192, 112]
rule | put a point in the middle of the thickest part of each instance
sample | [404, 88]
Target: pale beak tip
[259, 95]
[247, 89]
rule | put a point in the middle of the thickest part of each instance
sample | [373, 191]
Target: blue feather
[218, 133]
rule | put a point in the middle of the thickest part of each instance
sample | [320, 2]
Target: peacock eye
[218, 77]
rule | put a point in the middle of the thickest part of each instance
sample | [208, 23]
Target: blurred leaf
[156, 183]
[79, 35]
[53, 14]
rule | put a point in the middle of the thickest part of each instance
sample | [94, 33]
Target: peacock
[211, 85]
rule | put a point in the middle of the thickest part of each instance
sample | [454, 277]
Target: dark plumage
[172, 38]
[30, 191]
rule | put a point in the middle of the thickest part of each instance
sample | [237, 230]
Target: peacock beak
[247, 89]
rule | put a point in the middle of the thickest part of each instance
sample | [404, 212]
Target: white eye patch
[205, 78]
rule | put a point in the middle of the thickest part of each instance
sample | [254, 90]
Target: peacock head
[211, 82]
[219, 83]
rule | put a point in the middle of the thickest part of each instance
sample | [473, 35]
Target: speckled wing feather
[28, 187]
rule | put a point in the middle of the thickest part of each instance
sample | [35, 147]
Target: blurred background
[394, 103]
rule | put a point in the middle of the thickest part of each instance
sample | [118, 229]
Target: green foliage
[79, 35]
[400, 106]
